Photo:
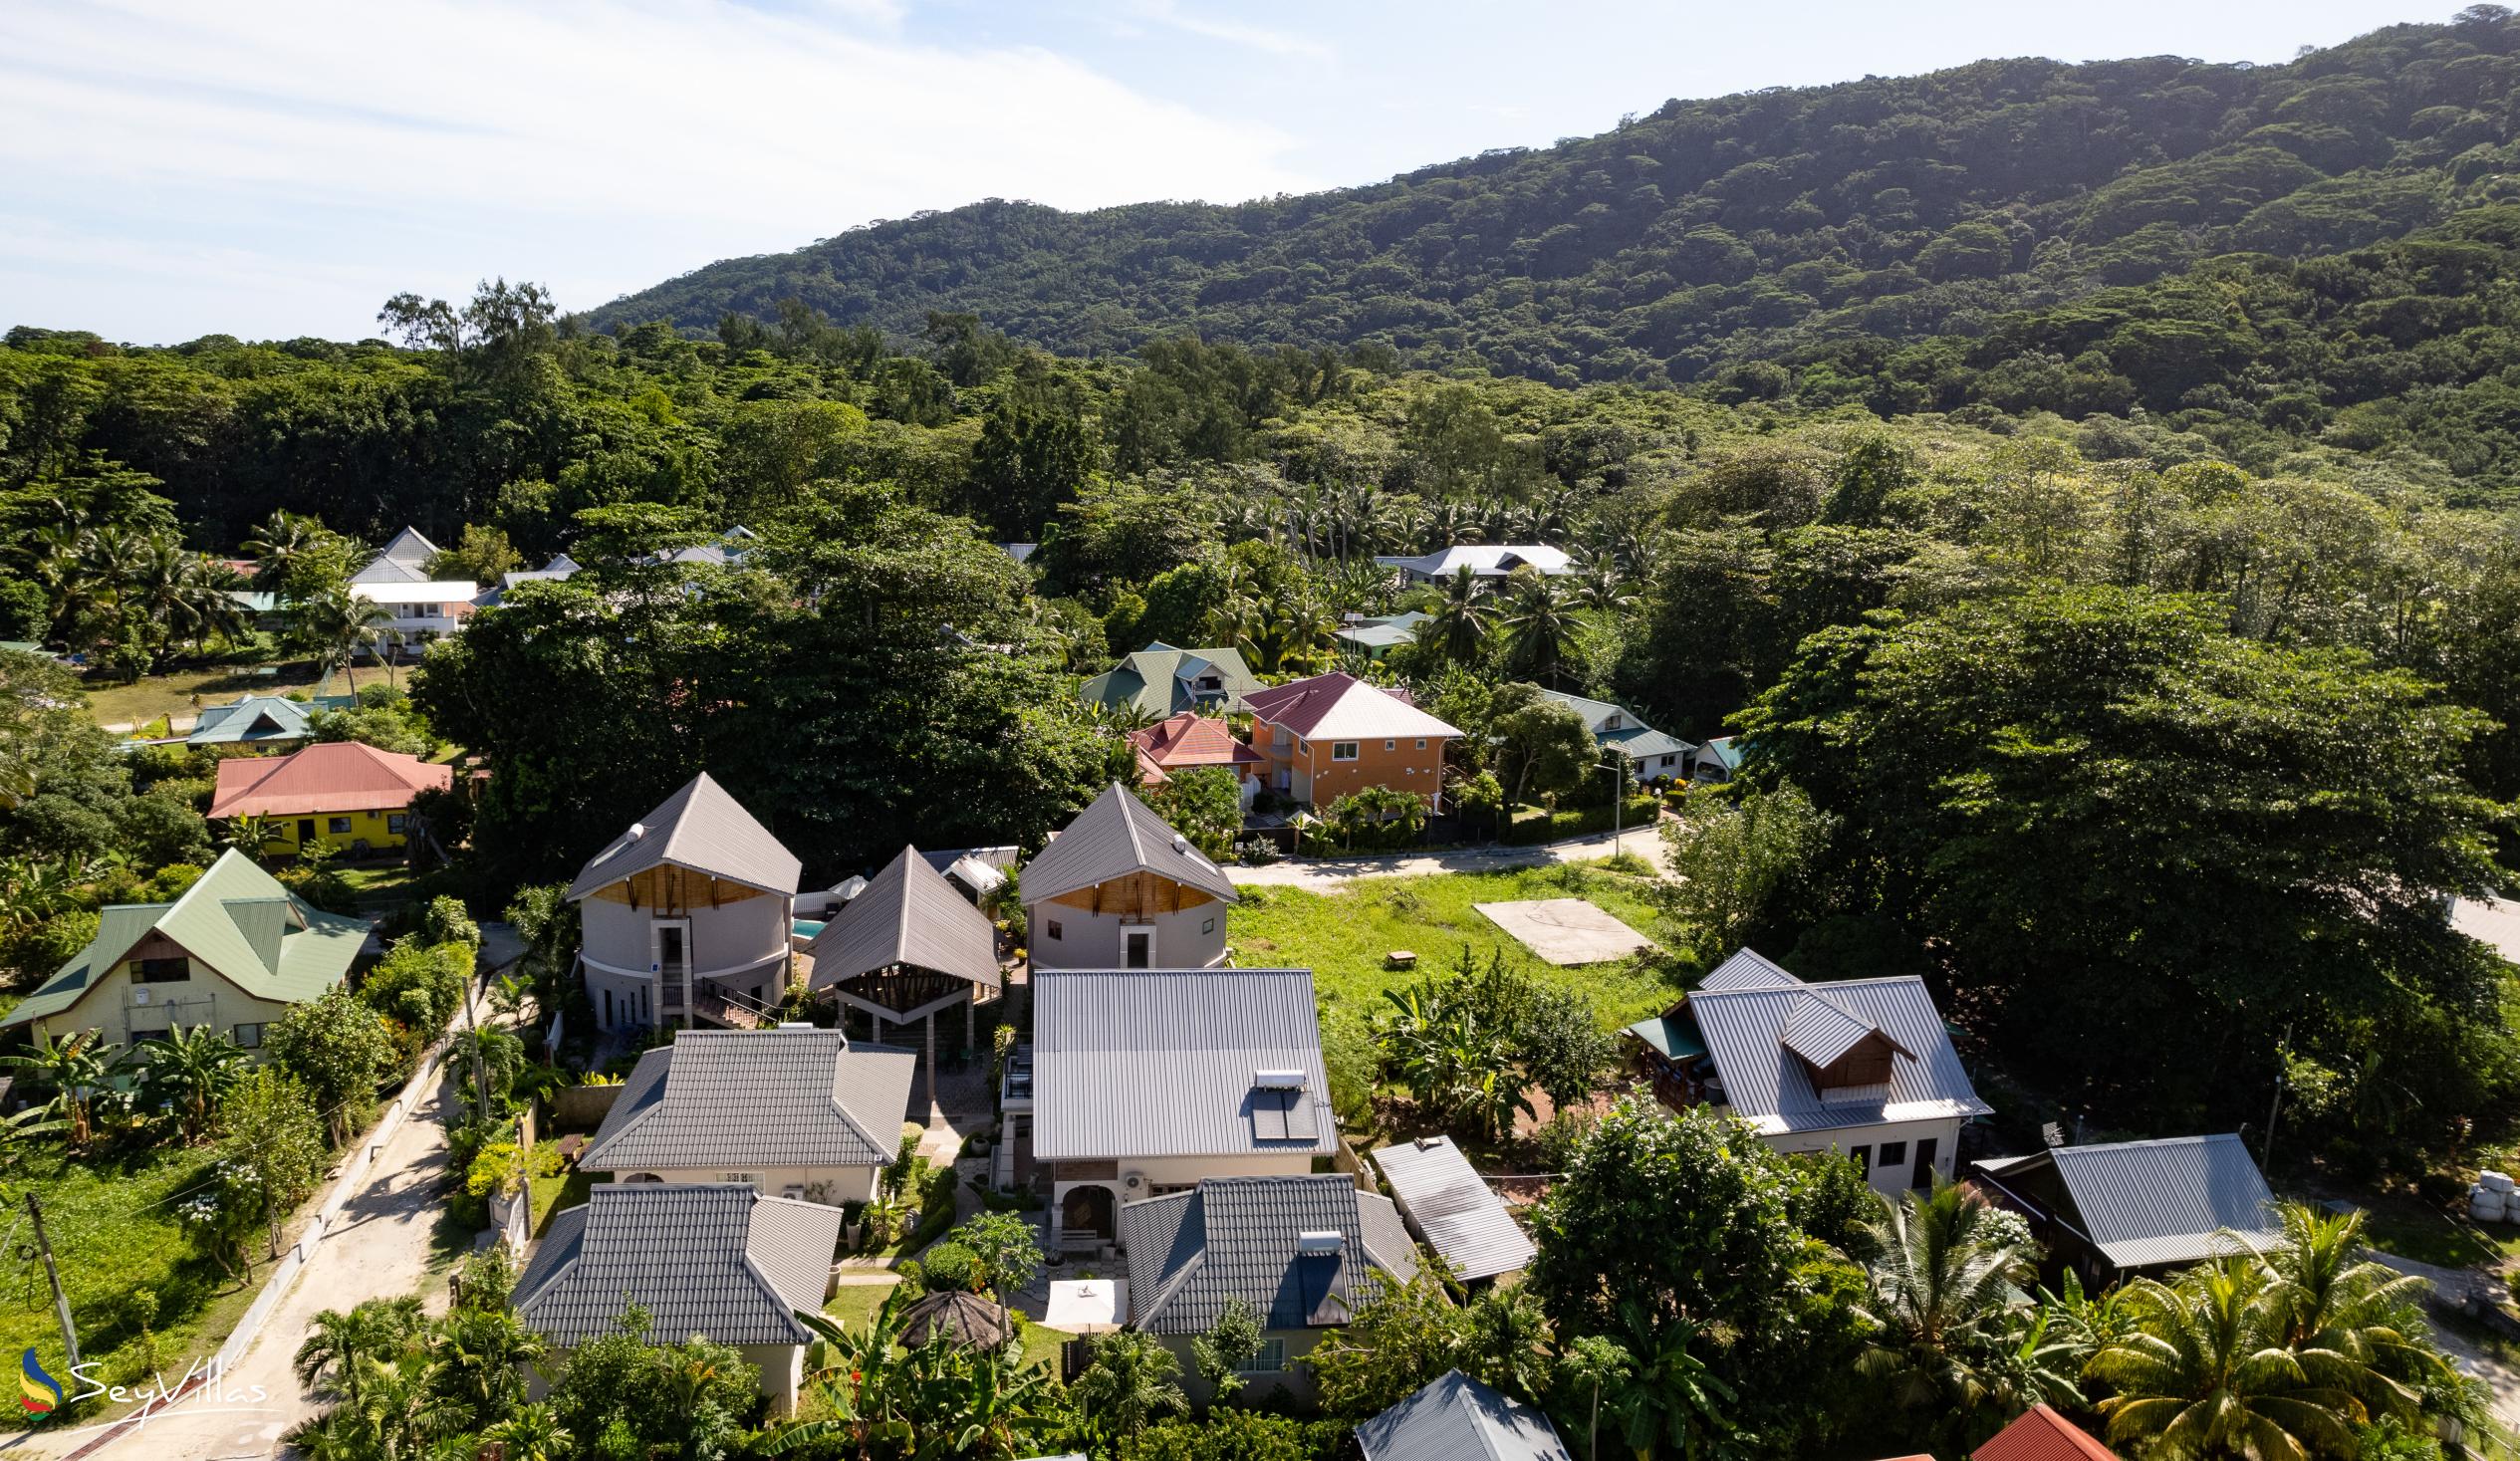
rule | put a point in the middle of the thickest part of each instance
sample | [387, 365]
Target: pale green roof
[1157, 679]
[1633, 735]
[237, 919]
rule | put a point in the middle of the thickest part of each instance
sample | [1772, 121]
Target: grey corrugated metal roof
[700, 827]
[1453, 1209]
[711, 1259]
[1455, 1418]
[906, 915]
[1236, 1237]
[1143, 1062]
[738, 1098]
[1749, 969]
[1112, 838]
[254, 718]
[1766, 1085]
[1820, 1030]
[2145, 1204]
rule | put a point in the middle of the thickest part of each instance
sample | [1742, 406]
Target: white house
[792, 1112]
[1485, 561]
[1861, 1066]
[1118, 888]
[424, 610]
[689, 913]
[1142, 1082]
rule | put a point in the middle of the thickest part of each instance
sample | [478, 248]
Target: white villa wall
[1944, 1133]
[743, 945]
[1193, 938]
[1164, 1173]
[830, 1186]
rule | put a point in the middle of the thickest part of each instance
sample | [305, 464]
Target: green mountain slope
[1758, 226]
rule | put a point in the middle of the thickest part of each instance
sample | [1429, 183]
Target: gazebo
[906, 948]
[962, 1319]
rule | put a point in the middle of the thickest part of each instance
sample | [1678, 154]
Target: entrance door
[1137, 948]
[306, 831]
[1087, 1210]
[670, 952]
[1922, 1177]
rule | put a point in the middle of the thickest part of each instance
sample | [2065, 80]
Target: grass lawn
[552, 1194]
[1343, 936]
[114, 1232]
[2412, 1228]
[853, 1305]
[148, 698]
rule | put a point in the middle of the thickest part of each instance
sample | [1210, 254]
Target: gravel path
[1328, 874]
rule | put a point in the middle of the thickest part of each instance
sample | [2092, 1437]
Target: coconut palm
[1130, 1381]
[347, 1345]
[532, 1433]
[2335, 1301]
[337, 623]
[1540, 624]
[1941, 1289]
[1458, 627]
[189, 1068]
[478, 1362]
[2206, 1374]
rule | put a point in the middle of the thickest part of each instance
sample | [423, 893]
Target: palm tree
[337, 623]
[250, 834]
[348, 1346]
[1941, 1291]
[532, 1433]
[1671, 1400]
[478, 1361]
[1460, 622]
[2206, 1374]
[1130, 1381]
[190, 1068]
[2356, 1312]
[1601, 585]
[1509, 1342]
[1540, 624]
[73, 1069]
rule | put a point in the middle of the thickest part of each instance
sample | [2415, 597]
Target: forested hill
[1746, 227]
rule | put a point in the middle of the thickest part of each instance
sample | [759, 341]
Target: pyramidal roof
[906, 915]
[700, 827]
[1116, 836]
[330, 776]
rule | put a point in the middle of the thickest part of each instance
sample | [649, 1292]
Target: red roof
[2042, 1435]
[1192, 739]
[332, 776]
[1339, 706]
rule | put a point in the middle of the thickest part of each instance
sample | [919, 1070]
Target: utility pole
[61, 1299]
[2266, 1153]
[1617, 769]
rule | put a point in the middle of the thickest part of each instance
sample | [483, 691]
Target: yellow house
[345, 795]
[236, 952]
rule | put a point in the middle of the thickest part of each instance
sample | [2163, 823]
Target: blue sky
[267, 168]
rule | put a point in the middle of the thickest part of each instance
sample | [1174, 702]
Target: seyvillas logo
[38, 1392]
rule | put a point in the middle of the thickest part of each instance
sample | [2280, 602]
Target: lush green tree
[1230, 1344]
[337, 1045]
[337, 1341]
[1743, 866]
[73, 1069]
[1946, 1286]
[1129, 1382]
[1543, 746]
[1203, 804]
[2206, 1372]
[274, 1139]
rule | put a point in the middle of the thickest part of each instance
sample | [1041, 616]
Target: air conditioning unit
[1133, 1185]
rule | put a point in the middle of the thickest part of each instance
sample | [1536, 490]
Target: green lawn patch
[171, 694]
[2413, 1228]
[557, 1194]
[114, 1231]
[1344, 937]
[853, 1305]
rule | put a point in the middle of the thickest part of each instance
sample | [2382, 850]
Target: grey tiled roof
[1147, 1063]
[1116, 836]
[1746, 1028]
[741, 1098]
[1455, 1418]
[700, 827]
[1237, 1236]
[2145, 1204]
[1457, 1214]
[716, 1260]
[906, 915]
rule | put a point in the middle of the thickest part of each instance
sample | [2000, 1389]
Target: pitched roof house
[1118, 888]
[1333, 734]
[403, 560]
[2127, 1207]
[258, 720]
[1486, 561]
[1376, 637]
[795, 1111]
[1147, 1079]
[1649, 751]
[1163, 681]
[2040, 1434]
[342, 794]
[1453, 1417]
[1452, 1210]
[907, 947]
[716, 1260]
[1860, 1065]
[235, 953]
[1190, 739]
[1305, 1252]
[688, 913]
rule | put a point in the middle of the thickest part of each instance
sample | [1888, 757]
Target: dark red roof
[333, 776]
[2042, 1435]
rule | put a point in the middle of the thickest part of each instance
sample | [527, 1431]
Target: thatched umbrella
[965, 1319]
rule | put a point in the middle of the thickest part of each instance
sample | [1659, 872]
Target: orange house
[1325, 737]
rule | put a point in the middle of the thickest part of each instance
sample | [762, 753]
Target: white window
[1391, 745]
[1342, 750]
[1422, 743]
[1270, 1359]
[744, 1177]
[394, 823]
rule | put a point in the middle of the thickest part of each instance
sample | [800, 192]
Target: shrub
[951, 1266]
[446, 920]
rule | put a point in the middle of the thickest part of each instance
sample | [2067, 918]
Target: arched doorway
[1087, 1210]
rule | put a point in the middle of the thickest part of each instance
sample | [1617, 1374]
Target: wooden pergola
[905, 949]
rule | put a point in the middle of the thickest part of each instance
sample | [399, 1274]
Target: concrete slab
[1566, 932]
[2492, 921]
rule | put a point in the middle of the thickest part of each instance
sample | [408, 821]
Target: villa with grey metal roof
[1147, 1080]
[1863, 1067]
[716, 1260]
[1118, 887]
[1649, 752]
[906, 948]
[793, 1110]
[1452, 1210]
[236, 952]
[1305, 1252]
[2126, 1207]
[1483, 560]
[1454, 1416]
[687, 915]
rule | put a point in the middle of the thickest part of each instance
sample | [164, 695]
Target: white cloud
[222, 154]
[1236, 33]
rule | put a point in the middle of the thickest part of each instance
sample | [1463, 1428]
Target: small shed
[1451, 1209]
